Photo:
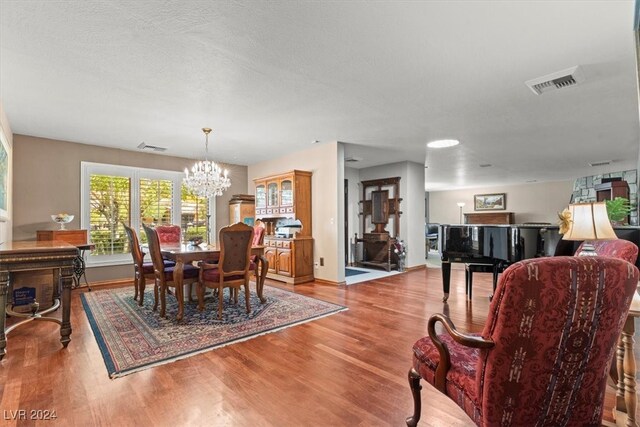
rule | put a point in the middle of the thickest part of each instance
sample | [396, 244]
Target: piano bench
[469, 269]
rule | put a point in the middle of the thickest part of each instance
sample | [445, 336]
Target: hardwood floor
[346, 369]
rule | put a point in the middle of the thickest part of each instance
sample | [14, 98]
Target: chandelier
[207, 179]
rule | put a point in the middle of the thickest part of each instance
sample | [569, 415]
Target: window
[113, 194]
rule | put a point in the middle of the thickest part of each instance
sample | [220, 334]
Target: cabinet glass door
[261, 196]
[272, 194]
[286, 192]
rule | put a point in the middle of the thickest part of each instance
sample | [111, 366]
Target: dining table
[186, 254]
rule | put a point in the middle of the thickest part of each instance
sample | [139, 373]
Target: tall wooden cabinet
[280, 198]
[242, 209]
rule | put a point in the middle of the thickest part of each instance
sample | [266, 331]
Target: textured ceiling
[384, 77]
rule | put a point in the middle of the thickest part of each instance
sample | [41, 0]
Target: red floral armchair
[619, 248]
[544, 353]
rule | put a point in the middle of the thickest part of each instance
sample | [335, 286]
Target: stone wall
[584, 189]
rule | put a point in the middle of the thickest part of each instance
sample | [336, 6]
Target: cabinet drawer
[278, 243]
[283, 210]
[269, 211]
[272, 243]
[289, 210]
[286, 244]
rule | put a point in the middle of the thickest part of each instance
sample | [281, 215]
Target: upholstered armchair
[619, 248]
[543, 355]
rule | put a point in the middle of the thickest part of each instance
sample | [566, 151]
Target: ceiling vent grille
[143, 146]
[600, 163]
[560, 80]
[352, 159]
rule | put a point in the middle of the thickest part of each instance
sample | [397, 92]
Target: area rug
[132, 338]
[352, 272]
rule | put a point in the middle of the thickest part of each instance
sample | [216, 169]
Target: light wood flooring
[346, 369]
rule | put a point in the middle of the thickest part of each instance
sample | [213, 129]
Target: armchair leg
[155, 296]
[414, 383]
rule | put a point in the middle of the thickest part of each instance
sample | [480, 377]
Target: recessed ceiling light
[315, 141]
[443, 143]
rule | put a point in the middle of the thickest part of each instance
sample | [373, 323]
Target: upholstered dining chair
[232, 269]
[543, 354]
[257, 240]
[141, 270]
[169, 234]
[163, 274]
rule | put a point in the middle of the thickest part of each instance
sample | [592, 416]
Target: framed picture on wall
[490, 202]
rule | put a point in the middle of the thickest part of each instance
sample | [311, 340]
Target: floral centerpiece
[400, 249]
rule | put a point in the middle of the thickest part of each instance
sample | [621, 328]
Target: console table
[56, 256]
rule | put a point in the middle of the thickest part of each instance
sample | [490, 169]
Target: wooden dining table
[186, 254]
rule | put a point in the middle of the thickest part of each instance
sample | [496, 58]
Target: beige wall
[536, 202]
[47, 180]
[326, 190]
[6, 230]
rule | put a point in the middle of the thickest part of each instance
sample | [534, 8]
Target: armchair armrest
[460, 338]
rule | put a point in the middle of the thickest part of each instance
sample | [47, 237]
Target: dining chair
[257, 240]
[232, 269]
[169, 234]
[163, 274]
[141, 270]
[542, 357]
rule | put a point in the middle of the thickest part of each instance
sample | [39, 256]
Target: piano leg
[446, 279]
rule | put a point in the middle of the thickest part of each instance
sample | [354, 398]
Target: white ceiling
[384, 77]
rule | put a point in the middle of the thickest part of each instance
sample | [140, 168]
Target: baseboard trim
[101, 283]
[416, 267]
[329, 282]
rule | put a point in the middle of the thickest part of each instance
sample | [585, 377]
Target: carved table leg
[4, 288]
[66, 278]
[264, 266]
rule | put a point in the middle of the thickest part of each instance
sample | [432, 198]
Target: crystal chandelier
[207, 179]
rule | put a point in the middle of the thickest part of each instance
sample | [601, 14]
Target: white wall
[327, 183]
[353, 220]
[412, 206]
[6, 224]
[535, 202]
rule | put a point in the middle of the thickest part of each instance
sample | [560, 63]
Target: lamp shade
[589, 221]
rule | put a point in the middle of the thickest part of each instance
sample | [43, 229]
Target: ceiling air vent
[562, 79]
[352, 159]
[600, 163]
[143, 146]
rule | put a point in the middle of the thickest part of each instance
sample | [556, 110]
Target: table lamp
[589, 221]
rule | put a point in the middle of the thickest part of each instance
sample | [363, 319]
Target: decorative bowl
[195, 241]
[62, 219]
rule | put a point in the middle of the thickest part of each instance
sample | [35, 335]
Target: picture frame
[490, 202]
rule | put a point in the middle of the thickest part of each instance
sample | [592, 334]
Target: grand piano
[498, 246]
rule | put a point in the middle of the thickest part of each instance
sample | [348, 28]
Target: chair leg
[470, 284]
[142, 284]
[247, 296]
[190, 291]
[414, 383]
[155, 296]
[163, 300]
[220, 301]
[200, 291]
[136, 280]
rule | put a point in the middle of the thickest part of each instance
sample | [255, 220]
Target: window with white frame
[112, 195]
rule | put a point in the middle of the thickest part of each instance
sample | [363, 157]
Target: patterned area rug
[132, 338]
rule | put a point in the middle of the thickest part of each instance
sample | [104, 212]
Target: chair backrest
[619, 248]
[235, 249]
[555, 323]
[169, 234]
[258, 234]
[134, 245]
[154, 249]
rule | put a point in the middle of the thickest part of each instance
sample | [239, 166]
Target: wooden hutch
[280, 198]
[242, 209]
[488, 218]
